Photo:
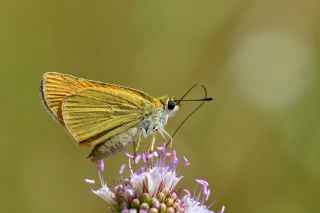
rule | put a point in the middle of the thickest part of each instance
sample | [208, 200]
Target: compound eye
[171, 104]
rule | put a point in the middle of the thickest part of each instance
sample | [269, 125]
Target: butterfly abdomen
[113, 145]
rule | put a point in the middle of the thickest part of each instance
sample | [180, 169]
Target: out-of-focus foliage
[257, 144]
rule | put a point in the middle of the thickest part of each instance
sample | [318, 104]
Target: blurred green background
[258, 143]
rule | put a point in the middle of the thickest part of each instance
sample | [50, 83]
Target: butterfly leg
[170, 139]
[151, 145]
[162, 135]
[136, 145]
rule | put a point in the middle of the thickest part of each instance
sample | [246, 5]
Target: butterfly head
[170, 105]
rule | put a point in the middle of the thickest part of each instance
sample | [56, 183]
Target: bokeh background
[258, 143]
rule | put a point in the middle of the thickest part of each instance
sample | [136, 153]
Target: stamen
[155, 154]
[123, 166]
[129, 155]
[149, 156]
[187, 192]
[101, 178]
[89, 181]
[186, 161]
[137, 159]
[101, 165]
[207, 195]
[144, 157]
[174, 160]
[205, 190]
[161, 148]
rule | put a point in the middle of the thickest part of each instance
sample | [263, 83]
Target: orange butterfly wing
[56, 86]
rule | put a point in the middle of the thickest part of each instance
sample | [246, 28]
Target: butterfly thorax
[156, 119]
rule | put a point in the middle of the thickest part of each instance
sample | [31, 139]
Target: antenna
[203, 100]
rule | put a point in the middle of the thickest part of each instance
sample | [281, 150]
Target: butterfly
[105, 116]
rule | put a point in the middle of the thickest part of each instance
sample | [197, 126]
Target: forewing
[57, 86]
[94, 115]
